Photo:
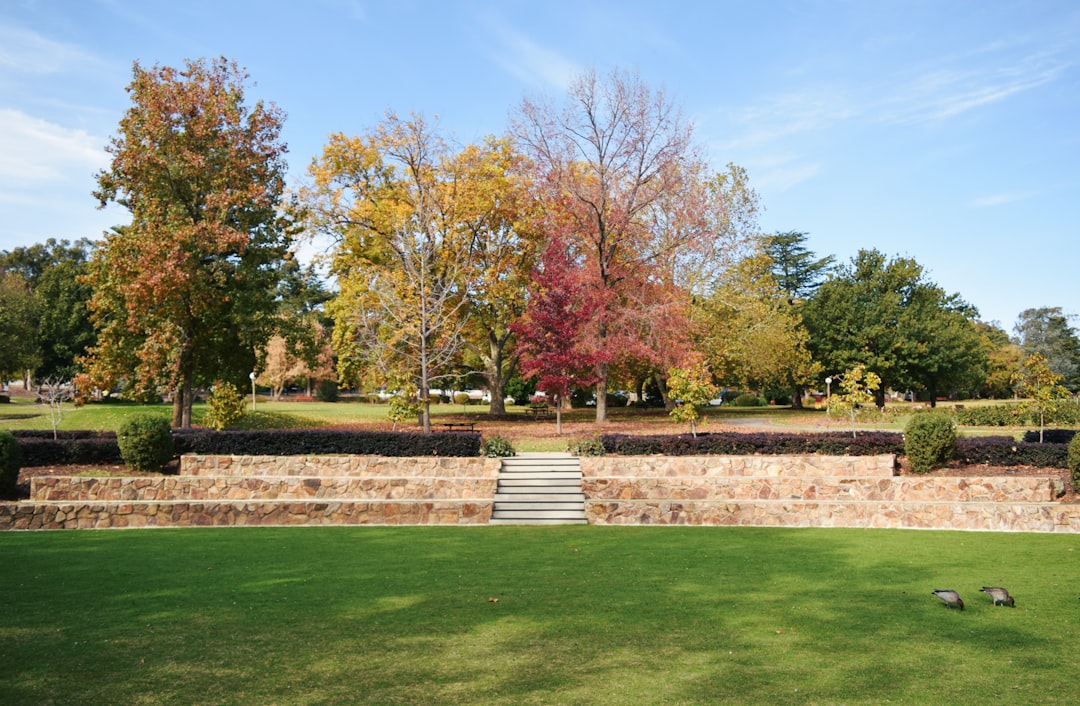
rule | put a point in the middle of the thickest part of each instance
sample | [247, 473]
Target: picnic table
[538, 411]
[459, 426]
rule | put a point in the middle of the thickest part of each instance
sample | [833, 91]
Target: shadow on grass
[584, 615]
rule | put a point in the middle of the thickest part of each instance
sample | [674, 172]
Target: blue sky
[942, 131]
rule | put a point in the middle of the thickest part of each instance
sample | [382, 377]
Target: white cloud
[24, 51]
[998, 199]
[33, 150]
[529, 61]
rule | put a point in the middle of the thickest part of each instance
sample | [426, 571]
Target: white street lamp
[252, 376]
[828, 395]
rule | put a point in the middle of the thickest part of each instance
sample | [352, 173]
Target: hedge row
[1005, 415]
[1051, 436]
[1006, 451]
[734, 444]
[86, 447]
[297, 442]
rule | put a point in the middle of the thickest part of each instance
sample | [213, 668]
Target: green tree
[885, 315]
[1041, 388]
[1047, 331]
[797, 271]
[184, 294]
[19, 322]
[55, 271]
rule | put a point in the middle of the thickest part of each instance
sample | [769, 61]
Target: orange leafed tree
[183, 293]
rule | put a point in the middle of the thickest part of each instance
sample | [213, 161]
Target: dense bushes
[39, 448]
[1073, 461]
[1051, 436]
[747, 400]
[10, 463]
[497, 447]
[1006, 451]
[730, 443]
[146, 442]
[225, 408]
[929, 441]
[1003, 415]
[296, 442]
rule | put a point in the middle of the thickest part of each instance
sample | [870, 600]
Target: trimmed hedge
[298, 442]
[1050, 436]
[1003, 415]
[929, 441]
[736, 444]
[89, 447]
[1006, 451]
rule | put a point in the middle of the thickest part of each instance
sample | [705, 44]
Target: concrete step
[539, 489]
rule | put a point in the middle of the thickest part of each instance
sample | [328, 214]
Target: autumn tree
[498, 223]
[857, 387]
[693, 387]
[184, 293]
[1040, 387]
[1003, 360]
[617, 172]
[550, 333]
[752, 335]
[391, 202]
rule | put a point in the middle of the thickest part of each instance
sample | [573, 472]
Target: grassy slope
[585, 615]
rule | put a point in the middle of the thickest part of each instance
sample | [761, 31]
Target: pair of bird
[952, 598]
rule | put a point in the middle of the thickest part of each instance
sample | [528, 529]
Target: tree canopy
[184, 293]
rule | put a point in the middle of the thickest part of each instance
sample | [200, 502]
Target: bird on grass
[951, 598]
[1000, 595]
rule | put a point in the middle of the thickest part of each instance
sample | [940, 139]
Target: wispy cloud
[529, 61]
[999, 199]
[33, 150]
[23, 51]
[784, 115]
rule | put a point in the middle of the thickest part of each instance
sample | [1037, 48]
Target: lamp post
[252, 376]
[828, 396]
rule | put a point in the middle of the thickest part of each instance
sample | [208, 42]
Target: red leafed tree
[184, 293]
[619, 176]
[550, 336]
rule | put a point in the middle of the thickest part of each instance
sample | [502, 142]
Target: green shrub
[497, 447]
[146, 442]
[461, 398]
[1073, 460]
[225, 408]
[10, 463]
[5, 399]
[326, 391]
[586, 447]
[929, 441]
[747, 400]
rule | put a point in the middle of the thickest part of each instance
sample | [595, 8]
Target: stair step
[540, 497]
[536, 521]
[539, 489]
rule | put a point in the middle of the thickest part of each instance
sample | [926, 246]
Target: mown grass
[585, 615]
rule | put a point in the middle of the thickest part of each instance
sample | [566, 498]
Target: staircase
[539, 489]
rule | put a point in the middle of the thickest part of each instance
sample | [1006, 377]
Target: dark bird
[1000, 595]
[951, 598]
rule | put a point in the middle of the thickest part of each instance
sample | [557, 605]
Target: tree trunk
[601, 393]
[495, 374]
[558, 415]
[879, 398]
[931, 389]
[796, 397]
[661, 384]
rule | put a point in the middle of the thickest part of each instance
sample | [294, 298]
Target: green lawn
[585, 615]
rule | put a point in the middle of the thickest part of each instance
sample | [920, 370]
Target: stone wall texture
[770, 491]
[816, 491]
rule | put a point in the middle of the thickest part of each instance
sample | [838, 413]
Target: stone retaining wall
[815, 491]
[340, 466]
[58, 489]
[998, 517]
[119, 514]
